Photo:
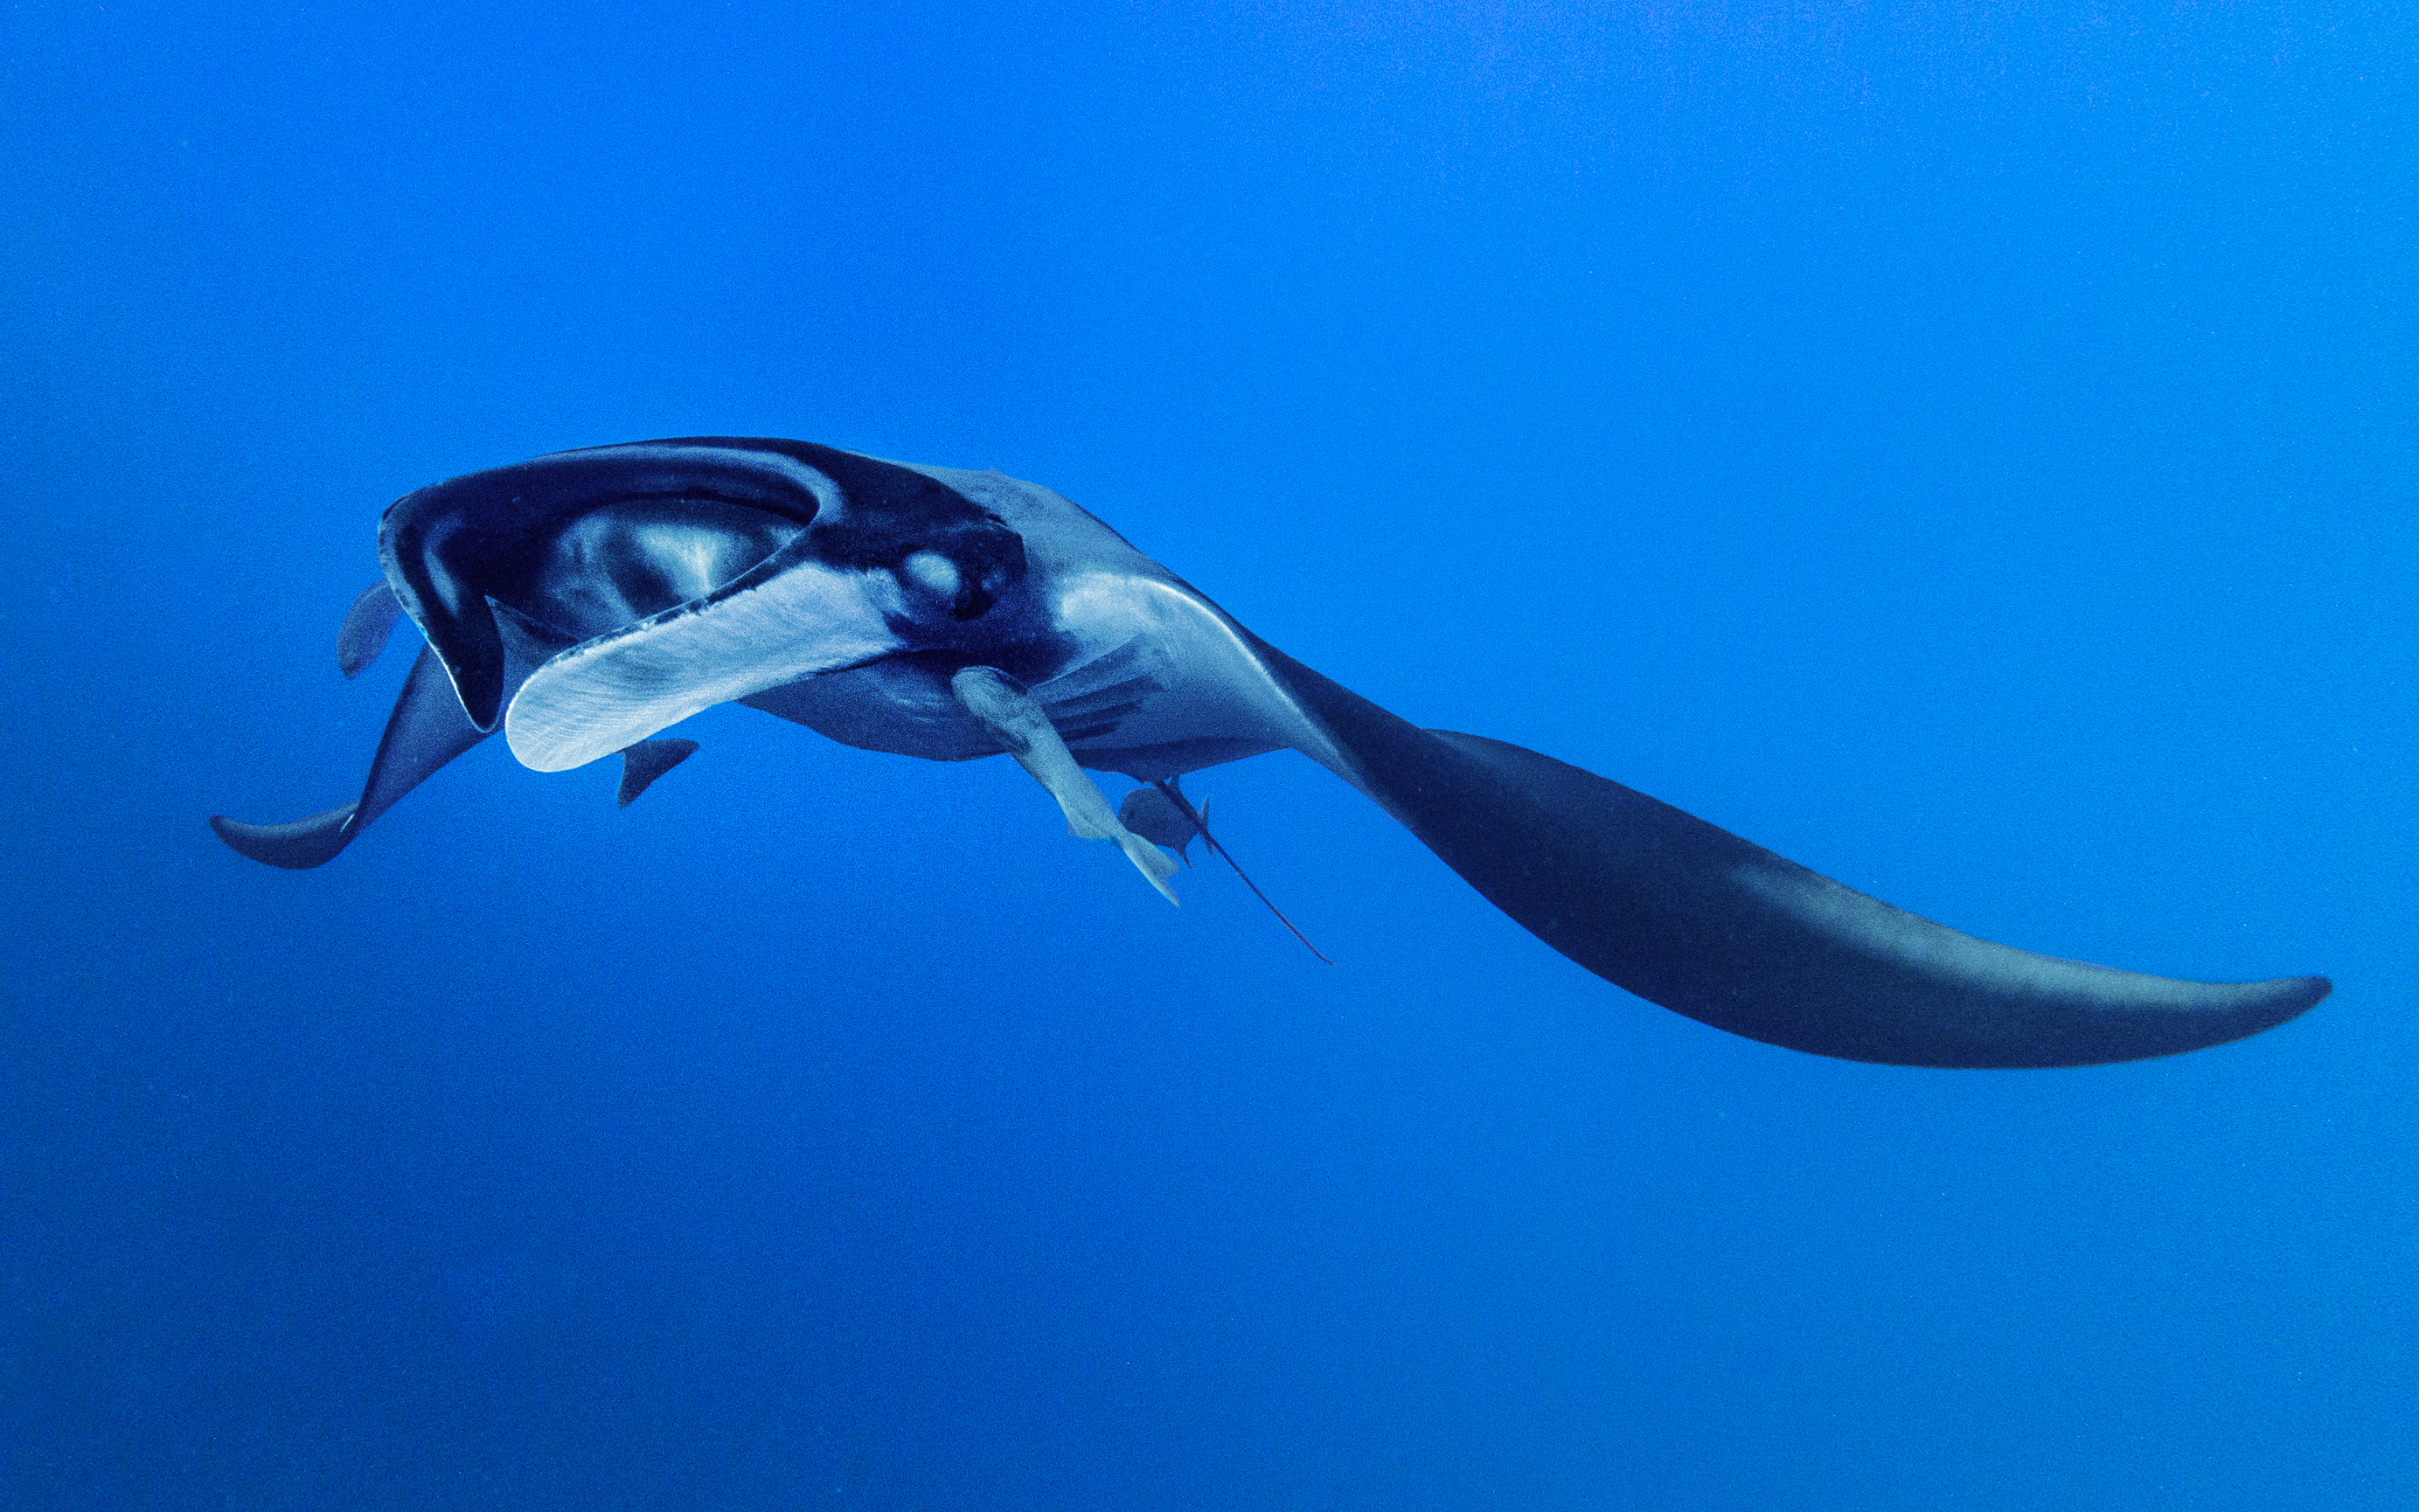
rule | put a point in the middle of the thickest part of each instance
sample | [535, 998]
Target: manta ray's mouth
[630, 559]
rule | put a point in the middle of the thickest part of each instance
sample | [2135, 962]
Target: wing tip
[2263, 1005]
[2291, 996]
[2116, 1034]
[294, 846]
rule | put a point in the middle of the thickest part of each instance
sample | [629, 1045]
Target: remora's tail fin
[1692, 917]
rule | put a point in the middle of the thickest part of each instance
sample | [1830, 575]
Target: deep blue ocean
[1965, 446]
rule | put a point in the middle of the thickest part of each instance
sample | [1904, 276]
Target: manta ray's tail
[1696, 919]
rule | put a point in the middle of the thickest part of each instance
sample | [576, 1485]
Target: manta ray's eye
[940, 577]
[967, 595]
[966, 570]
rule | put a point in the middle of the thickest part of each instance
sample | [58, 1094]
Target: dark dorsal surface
[1690, 916]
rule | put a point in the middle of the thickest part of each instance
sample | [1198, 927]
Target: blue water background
[1966, 448]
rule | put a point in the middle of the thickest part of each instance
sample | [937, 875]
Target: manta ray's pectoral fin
[1015, 719]
[1692, 917]
[297, 846]
[426, 731]
[366, 626]
[643, 763]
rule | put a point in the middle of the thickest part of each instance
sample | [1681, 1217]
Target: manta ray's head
[869, 558]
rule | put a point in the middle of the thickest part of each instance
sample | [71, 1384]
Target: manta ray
[586, 600]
